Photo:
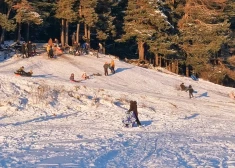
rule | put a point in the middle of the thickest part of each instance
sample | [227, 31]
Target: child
[72, 77]
[84, 76]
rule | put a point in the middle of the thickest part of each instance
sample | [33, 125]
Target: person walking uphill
[106, 66]
[133, 107]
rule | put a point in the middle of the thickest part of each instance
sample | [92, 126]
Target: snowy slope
[48, 121]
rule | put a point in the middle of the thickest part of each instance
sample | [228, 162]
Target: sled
[26, 74]
[194, 77]
[129, 120]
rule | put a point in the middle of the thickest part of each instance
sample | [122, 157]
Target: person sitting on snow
[182, 87]
[72, 77]
[84, 76]
[21, 70]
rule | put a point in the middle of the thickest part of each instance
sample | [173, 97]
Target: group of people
[110, 66]
[27, 49]
[84, 77]
[189, 89]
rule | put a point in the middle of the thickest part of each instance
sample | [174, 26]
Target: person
[87, 47]
[112, 66]
[190, 89]
[51, 53]
[48, 49]
[56, 42]
[34, 47]
[84, 76]
[129, 119]
[21, 70]
[23, 73]
[73, 37]
[182, 87]
[106, 66]
[133, 108]
[75, 48]
[26, 51]
[23, 50]
[72, 77]
[30, 48]
[100, 48]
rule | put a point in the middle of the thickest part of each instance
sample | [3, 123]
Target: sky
[47, 121]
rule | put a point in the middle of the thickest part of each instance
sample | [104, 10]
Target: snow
[48, 121]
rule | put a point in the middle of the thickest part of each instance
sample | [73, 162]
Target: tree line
[195, 35]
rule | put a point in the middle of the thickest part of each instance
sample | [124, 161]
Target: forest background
[185, 36]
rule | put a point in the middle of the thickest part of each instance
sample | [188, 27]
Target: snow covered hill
[47, 121]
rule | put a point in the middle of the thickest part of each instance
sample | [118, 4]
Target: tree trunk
[2, 36]
[85, 30]
[77, 34]
[187, 71]
[156, 60]
[88, 33]
[19, 30]
[177, 67]
[173, 66]
[62, 32]
[141, 50]
[27, 35]
[66, 32]
[104, 48]
[160, 62]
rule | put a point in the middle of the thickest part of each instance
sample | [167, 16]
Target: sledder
[21, 72]
[131, 116]
[129, 119]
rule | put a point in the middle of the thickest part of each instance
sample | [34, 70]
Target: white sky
[48, 121]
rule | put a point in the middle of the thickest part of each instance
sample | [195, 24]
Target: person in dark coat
[106, 67]
[182, 87]
[190, 90]
[23, 50]
[72, 77]
[51, 53]
[30, 48]
[133, 107]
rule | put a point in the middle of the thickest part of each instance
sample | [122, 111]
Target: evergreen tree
[26, 14]
[5, 23]
[65, 12]
[88, 16]
[104, 27]
[203, 30]
[144, 22]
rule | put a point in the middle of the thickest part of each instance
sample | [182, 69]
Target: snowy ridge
[48, 121]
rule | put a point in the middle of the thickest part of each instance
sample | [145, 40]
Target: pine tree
[5, 23]
[88, 16]
[26, 14]
[203, 30]
[65, 12]
[104, 27]
[144, 22]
